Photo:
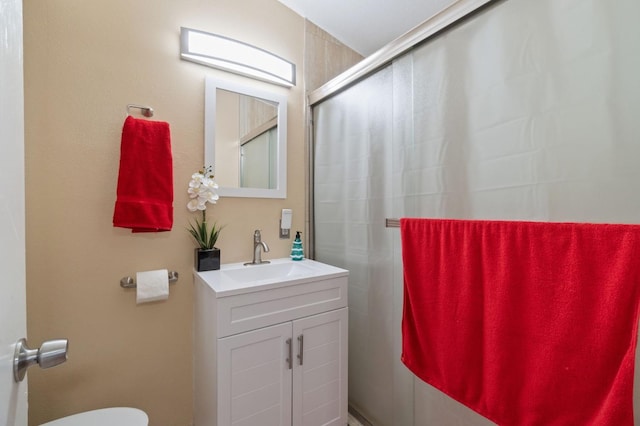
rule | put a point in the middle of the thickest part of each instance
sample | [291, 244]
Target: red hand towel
[526, 323]
[145, 183]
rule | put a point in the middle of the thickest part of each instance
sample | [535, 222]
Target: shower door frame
[453, 14]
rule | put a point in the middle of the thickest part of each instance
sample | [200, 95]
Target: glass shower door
[353, 196]
[515, 114]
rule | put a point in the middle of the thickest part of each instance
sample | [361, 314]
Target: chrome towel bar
[145, 110]
[392, 223]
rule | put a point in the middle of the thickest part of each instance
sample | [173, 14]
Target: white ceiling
[366, 25]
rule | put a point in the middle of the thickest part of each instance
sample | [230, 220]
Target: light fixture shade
[224, 53]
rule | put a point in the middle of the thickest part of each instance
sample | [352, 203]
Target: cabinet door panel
[254, 379]
[321, 353]
[320, 383]
[272, 416]
[244, 381]
[322, 375]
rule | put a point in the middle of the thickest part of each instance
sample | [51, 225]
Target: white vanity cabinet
[271, 350]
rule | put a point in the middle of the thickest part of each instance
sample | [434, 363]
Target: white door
[320, 371]
[13, 396]
[254, 377]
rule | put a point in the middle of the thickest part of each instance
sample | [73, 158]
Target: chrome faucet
[257, 245]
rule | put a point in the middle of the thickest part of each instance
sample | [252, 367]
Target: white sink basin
[267, 271]
[237, 278]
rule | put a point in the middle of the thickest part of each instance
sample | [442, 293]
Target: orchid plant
[202, 190]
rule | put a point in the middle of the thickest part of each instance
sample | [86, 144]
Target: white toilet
[116, 416]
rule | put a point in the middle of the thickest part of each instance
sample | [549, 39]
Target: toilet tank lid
[121, 416]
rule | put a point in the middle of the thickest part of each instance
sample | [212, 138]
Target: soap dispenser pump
[297, 252]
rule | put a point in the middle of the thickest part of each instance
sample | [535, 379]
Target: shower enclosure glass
[526, 111]
[353, 193]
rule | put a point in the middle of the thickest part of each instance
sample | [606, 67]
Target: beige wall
[84, 62]
[326, 57]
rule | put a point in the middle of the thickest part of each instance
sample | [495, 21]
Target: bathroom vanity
[270, 345]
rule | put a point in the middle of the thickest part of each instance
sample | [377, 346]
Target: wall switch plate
[285, 218]
[284, 233]
[285, 223]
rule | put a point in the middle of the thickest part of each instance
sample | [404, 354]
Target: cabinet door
[254, 378]
[320, 369]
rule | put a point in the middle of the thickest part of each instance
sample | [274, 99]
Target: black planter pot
[207, 260]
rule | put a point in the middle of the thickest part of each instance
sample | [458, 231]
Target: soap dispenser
[297, 253]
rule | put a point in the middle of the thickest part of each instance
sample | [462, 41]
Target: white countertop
[237, 278]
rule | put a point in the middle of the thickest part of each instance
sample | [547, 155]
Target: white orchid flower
[192, 205]
[193, 192]
[211, 197]
[201, 190]
[209, 184]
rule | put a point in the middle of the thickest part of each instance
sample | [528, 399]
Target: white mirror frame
[211, 85]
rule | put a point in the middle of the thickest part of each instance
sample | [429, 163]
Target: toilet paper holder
[129, 282]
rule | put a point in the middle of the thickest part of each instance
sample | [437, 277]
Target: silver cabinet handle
[290, 352]
[301, 349]
[50, 354]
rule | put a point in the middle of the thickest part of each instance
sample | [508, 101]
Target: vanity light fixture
[227, 54]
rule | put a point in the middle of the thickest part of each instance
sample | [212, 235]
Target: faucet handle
[256, 236]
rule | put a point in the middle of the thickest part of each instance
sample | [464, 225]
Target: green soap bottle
[297, 253]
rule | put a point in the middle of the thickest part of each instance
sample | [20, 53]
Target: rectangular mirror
[245, 139]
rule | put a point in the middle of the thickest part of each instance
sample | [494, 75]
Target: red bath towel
[526, 323]
[144, 200]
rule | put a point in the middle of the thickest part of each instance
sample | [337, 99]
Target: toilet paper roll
[152, 286]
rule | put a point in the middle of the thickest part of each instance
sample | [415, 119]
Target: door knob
[50, 354]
